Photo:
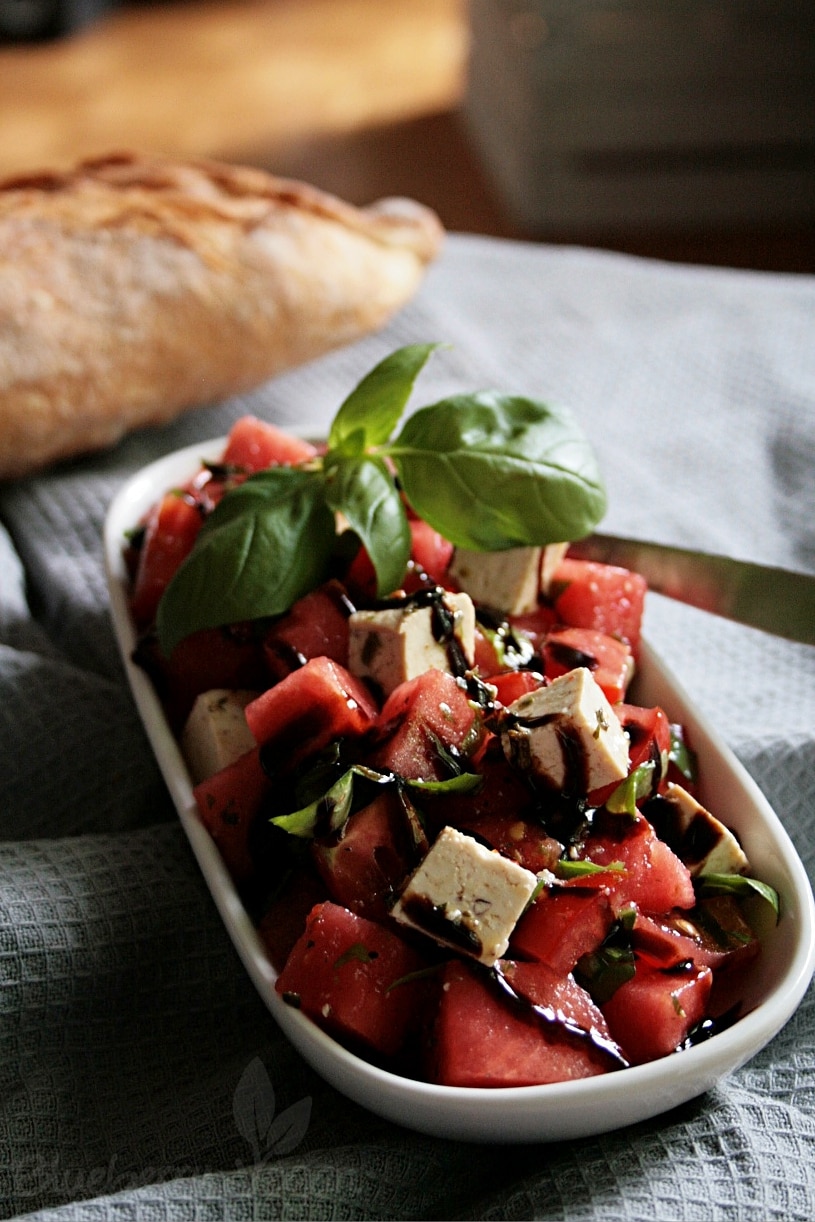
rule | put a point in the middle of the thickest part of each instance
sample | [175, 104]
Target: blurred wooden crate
[648, 112]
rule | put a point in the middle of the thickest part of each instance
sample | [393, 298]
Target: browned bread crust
[134, 288]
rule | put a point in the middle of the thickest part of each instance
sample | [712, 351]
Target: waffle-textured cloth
[140, 1075]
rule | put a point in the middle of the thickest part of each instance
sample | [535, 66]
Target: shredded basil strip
[739, 885]
[330, 812]
[637, 785]
[566, 869]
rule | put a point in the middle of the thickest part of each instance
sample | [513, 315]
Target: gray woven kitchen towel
[140, 1076]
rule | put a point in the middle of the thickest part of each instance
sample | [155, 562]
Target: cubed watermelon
[535, 624]
[521, 840]
[559, 992]
[512, 684]
[170, 531]
[608, 658]
[348, 975]
[610, 599]
[649, 742]
[419, 715]
[652, 877]
[502, 799]
[227, 803]
[430, 550]
[315, 627]
[307, 710]
[649, 734]
[562, 925]
[254, 444]
[714, 934]
[229, 657]
[363, 864]
[652, 1014]
[284, 916]
[482, 1039]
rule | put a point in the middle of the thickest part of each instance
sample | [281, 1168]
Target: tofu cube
[216, 733]
[567, 735]
[509, 581]
[399, 643]
[704, 843]
[466, 896]
[553, 553]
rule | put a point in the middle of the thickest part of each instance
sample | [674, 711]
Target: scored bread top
[133, 288]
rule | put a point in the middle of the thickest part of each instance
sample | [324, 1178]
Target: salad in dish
[406, 711]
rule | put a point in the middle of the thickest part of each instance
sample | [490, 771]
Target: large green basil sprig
[488, 471]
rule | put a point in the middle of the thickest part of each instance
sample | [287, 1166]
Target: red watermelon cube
[562, 925]
[365, 862]
[588, 594]
[608, 658]
[227, 803]
[482, 1039]
[418, 715]
[653, 1012]
[253, 445]
[308, 709]
[651, 876]
[315, 627]
[348, 975]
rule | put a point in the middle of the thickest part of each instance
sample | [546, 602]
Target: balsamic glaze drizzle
[556, 1019]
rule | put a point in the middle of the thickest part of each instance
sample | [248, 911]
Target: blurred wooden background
[360, 97]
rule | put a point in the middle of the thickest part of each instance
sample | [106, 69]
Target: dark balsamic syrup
[554, 1020]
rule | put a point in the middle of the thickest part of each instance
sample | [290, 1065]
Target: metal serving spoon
[775, 600]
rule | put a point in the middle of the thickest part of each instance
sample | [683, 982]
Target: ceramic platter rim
[513, 1114]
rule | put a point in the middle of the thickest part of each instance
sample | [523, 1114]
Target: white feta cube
[216, 733]
[509, 581]
[567, 734]
[400, 643]
[704, 843]
[466, 896]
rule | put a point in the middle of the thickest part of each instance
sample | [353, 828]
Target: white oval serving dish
[520, 1114]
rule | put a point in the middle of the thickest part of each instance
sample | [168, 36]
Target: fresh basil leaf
[363, 490]
[491, 471]
[372, 410]
[738, 885]
[265, 545]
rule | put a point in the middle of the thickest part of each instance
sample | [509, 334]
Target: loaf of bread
[132, 289]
